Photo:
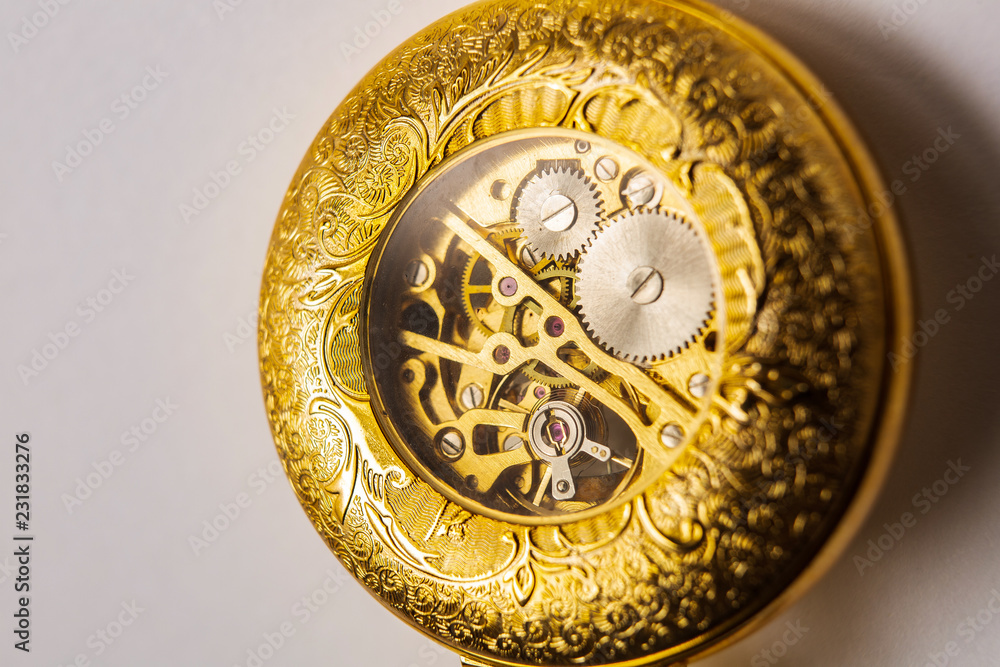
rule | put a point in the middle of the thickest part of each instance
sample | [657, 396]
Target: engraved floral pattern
[742, 512]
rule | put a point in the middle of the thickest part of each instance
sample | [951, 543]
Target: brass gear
[478, 291]
[532, 370]
[567, 282]
[542, 271]
[567, 296]
[545, 270]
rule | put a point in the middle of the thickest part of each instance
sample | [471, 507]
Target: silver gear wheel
[646, 285]
[558, 211]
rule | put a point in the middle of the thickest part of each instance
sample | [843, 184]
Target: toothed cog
[558, 210]
[646, 285]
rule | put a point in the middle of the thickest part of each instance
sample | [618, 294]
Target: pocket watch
[575, 331]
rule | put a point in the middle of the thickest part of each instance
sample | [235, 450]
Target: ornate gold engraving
[796, 424]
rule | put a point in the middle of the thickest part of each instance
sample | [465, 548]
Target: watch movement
[574, 331]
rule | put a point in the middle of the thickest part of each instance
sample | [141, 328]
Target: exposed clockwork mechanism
[558, 311]
[552, 312]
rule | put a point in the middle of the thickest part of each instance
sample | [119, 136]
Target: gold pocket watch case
[575, 329]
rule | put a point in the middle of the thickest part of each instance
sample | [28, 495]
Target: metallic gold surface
[453, 229]
[781, 449]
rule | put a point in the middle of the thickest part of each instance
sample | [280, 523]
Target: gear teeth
[587, 273]
[571, 183]
[505, 231]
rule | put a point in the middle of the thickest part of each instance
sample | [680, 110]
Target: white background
[195, 283]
